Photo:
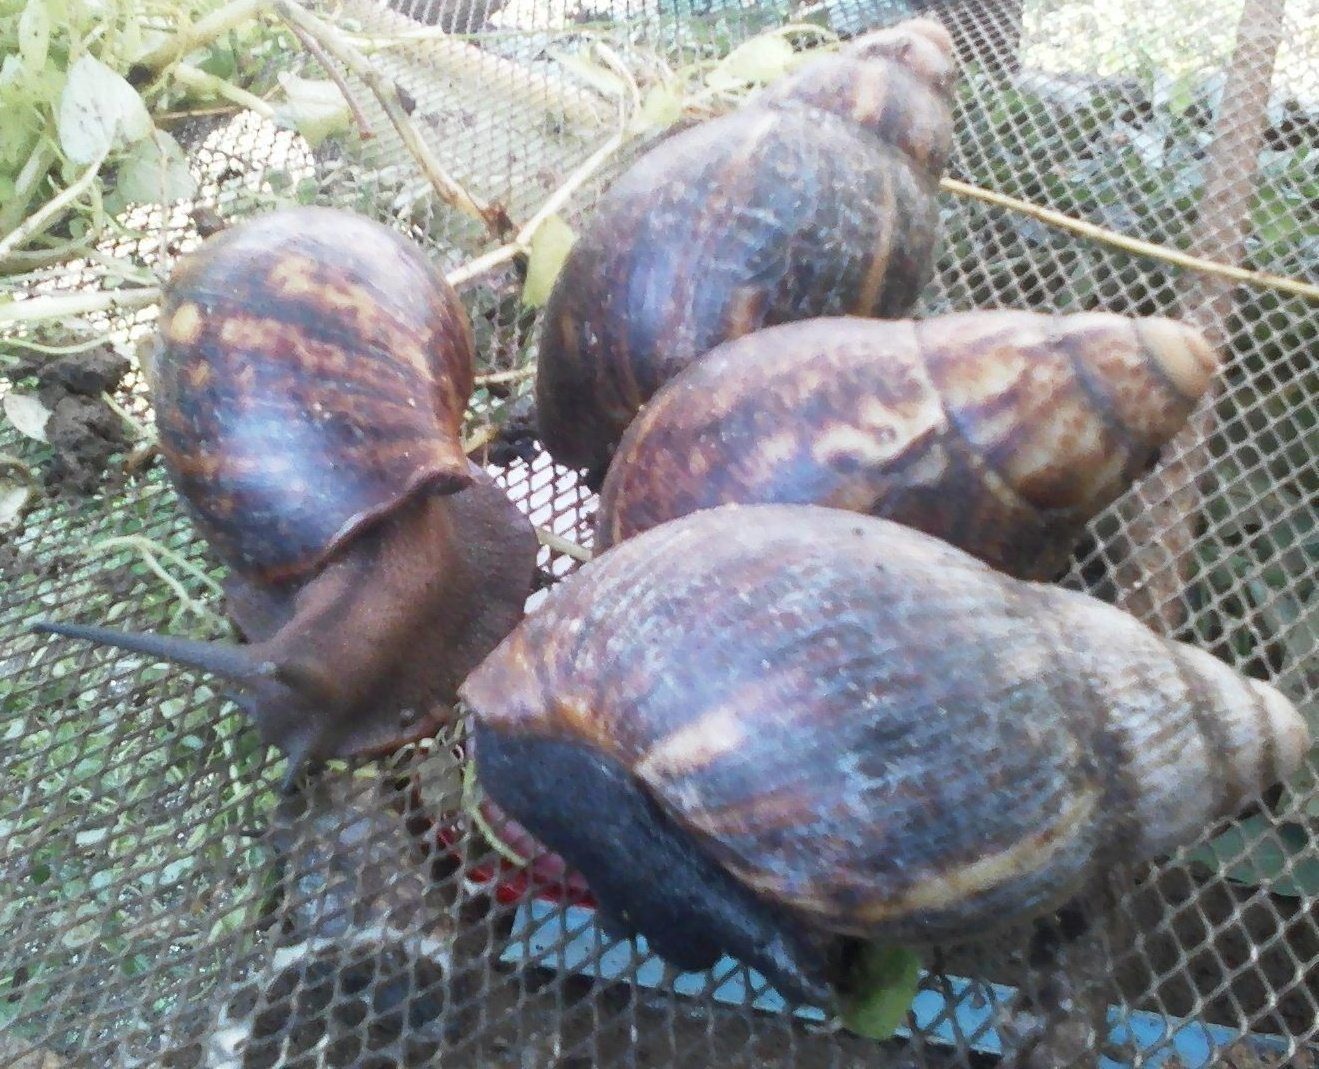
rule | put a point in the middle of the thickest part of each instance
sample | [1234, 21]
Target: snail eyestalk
[223, 659]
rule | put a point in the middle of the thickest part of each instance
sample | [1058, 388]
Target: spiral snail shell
[815, 198]
[787, 727]
[309, 383]
[1002, 432]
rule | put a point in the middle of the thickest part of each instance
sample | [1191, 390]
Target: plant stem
[168, 117]
[332, 72]
[559, 544]
[151, 553]
[516, 375]
[195, 78]
[41, 309]
[449, 190]
[483, 265]
[50, 211]
[203, 32]
[1134, 245]
[480, 438]
[570, 186]
[18, 263]
[130, 421]
[29, 178]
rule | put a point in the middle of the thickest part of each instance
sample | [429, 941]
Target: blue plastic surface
[569, 941]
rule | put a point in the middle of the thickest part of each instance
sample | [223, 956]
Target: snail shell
[312, 373]
[1002, 432]
[816, 198]
[786, 724]
[309, 386]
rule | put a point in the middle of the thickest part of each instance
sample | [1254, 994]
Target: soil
[83, 431]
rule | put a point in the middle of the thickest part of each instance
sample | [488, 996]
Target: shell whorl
[1002, 432]
[896, 84]
[816, 198]
[875, 730]
[311, 374]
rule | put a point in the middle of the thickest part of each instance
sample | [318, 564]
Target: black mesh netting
[162, 904]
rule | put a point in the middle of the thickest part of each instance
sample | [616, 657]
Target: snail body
[309, 382]
[816, 198]
[1001, 432]
[788, 727]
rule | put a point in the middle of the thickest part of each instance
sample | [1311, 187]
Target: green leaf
[755, 62]
[316, 109]
[550, 246]
[661, 108]
[34, 35]
[156, 171]
[1258, 854]
[99, 111]
[881, 986]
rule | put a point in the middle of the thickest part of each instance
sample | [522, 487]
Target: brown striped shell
[311, 375]
[1002, 432]
[309, 386]
[868, 730]
[816, 198]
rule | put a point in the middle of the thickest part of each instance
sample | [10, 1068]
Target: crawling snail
[789, 727]
[816, 198]
[1001, 432]
[309, 385]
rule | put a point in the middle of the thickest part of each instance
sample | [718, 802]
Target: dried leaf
[756, 62]
[27, 414]
[156, 172]
[596, 75]
[98, 111]
[549, 248]
[17, 486]
[316, 109]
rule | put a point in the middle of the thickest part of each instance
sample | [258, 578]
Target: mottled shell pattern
[310, 376]
[1001, 432]
[816, 198]
[875, 730]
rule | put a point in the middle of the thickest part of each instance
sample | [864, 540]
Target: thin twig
[332, 72]
[386, 93]
[570, 186]
[516, 375]
[59, 306]
[168, 117]
[483, 265]
[131, 421]
[48, 212]
[562, 545]
[480, 439]
[1133, 245]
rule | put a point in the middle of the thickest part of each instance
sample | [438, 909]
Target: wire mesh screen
[164, 904]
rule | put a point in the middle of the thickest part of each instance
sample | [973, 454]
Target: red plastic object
[547, 876]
